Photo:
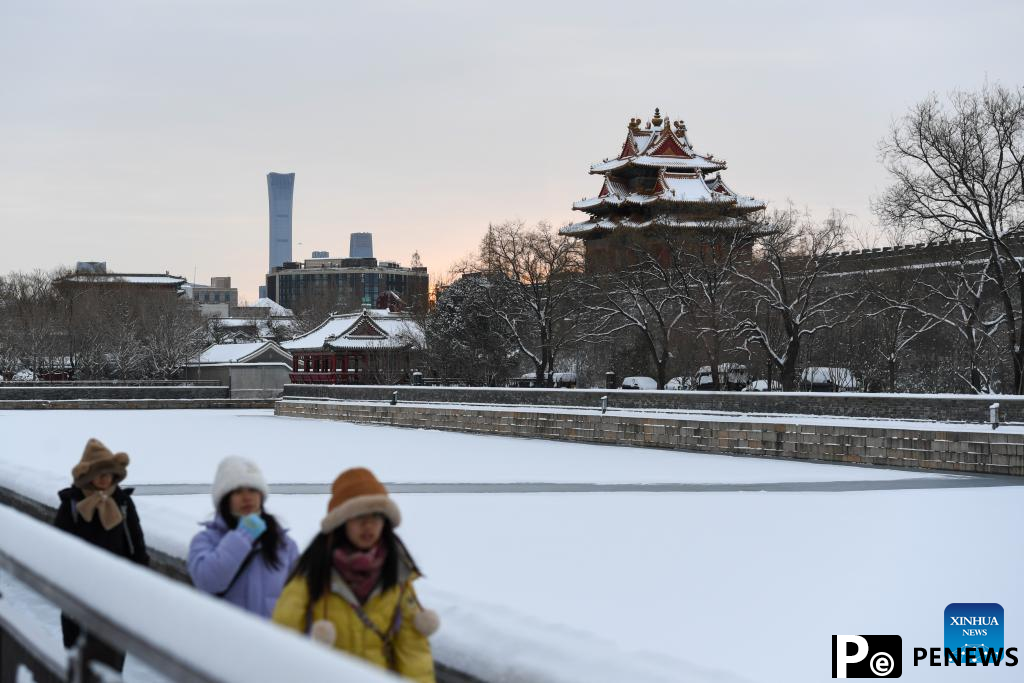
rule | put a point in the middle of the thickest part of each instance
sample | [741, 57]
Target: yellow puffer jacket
[412, 649]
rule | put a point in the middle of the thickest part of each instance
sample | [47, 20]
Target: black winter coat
[125, 539]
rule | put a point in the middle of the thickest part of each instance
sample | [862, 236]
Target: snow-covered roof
[659, 147]
[639, 382]
[608, 225]
[370, 328]
[682, 180]
[840, 377]
[237, 353]
[722, 367]
[276, 309]
[671, 187]
[679, 163]
[128, 279]
[236, 322]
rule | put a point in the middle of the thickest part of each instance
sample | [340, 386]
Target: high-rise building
[218, 292]
[348, 284]
[360, 245]
[280, 190]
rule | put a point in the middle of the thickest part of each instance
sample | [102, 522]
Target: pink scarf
[360, 570]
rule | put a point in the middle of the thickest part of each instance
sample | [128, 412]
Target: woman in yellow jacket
[352, 587]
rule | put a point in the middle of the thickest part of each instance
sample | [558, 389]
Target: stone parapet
[986, 452]
[138, 404]
[71, 392]
[939, 407]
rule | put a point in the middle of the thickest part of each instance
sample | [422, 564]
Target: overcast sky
[141, 132]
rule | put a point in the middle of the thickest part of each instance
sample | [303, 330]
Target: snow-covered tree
[647, 298]
[958, 172]
[531, 278]
[464, 340]
[784, 284]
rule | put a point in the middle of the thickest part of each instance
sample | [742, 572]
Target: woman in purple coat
[243, 555]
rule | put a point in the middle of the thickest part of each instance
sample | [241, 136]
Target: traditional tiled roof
[238, 353]
[610, 224]
[659, 179]
[670, 187]
[366, 329]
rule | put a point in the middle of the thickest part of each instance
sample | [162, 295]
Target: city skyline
[422, 138]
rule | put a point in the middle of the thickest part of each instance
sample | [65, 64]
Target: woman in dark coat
[99, 512]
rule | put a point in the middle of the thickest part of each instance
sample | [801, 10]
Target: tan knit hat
[357, 492]
[97, 459]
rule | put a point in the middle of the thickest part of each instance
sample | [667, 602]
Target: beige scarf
[110, 513]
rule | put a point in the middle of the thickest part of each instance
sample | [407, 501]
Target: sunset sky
[140, 133]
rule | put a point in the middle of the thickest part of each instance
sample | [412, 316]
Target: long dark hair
[270, 541]
[314, 564]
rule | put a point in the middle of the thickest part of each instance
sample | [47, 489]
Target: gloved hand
[253, 525]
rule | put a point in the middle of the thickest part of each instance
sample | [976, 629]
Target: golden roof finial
[634, 124]
[680, 128]
[657, 117]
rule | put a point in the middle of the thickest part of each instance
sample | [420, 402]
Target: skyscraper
[360, 245]
[280, 189]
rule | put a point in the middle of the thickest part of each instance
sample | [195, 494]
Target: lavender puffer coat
[217, 552]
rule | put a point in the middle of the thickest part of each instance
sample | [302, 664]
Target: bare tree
[175, 334]
[647, 297]
[705, 266]
[958, 172]
[531, 287]
[124, 352]
[786, 281]
[466, 342]
[34, 334]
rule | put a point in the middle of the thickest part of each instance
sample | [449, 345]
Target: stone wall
[138, 404]
[990, 452]
[72, 391]
[245, 380]
[943, 407]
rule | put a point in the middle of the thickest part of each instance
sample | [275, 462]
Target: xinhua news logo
[973, 626]
[867, 656]
[972, 636]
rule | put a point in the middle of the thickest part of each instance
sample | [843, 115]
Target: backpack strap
[387, 638]
[241, 568]
[127, 531]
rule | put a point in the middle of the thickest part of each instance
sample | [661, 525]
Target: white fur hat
[235, 472]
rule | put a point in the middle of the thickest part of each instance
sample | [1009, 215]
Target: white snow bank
[733, 581]
[493, 643]
[300, 450]
[224, 643]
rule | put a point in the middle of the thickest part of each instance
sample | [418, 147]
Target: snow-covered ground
[184, 446]
[682, 584]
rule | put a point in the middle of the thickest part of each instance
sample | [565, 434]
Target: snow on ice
[595, 586]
